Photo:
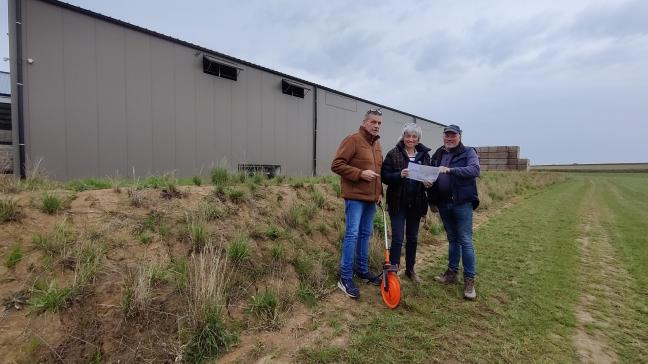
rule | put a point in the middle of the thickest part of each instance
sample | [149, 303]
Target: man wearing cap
[455, 195]
[358, 161]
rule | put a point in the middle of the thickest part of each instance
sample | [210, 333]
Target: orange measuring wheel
[391, 291]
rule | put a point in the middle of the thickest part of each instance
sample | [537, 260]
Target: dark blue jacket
[404, 193]
[464, 164]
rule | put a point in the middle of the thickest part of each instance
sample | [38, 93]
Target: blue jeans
[405, 222]
[355, 247]
[457, 221]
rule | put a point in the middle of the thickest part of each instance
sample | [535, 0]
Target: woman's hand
[404, 172]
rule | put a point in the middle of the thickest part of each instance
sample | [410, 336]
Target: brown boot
[469, 288]
[448, 277]
[411, 274]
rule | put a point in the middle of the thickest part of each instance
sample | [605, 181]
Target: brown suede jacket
[356, 153]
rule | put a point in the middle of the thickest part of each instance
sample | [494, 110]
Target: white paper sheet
[423, 173]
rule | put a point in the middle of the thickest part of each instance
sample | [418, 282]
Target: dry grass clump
[208, 276]
[207, 280]
[137, 295]
[136, 196]
[57, 243]
[88, 258]
[300, 215]
[9, 210]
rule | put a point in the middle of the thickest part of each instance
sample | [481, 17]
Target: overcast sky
[567, 81]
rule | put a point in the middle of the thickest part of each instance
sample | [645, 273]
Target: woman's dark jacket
[404, 193]
[464, 164]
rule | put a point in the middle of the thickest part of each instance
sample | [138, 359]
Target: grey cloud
[610, 20]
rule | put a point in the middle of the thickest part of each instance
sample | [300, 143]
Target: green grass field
[562, 277]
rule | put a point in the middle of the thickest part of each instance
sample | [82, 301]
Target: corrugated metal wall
[102, 99]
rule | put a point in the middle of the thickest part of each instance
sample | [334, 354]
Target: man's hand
[368, 175]
[427, 184]
[404, 172]
[444, 169]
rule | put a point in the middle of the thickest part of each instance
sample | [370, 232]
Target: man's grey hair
[372, 112]
[411, 128]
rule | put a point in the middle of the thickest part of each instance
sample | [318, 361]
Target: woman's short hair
[411, 128]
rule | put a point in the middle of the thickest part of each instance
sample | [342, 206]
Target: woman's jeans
[359, 224]
[457, 221]
[405, 222]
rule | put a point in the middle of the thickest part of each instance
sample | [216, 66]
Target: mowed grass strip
[527, 258]
[626, 199]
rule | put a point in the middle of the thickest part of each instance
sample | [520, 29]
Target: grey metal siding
[111, 109]
[104, 98]
[185, 125]
[80, 93]
[44, 96]
[162, 104]
[432, 134]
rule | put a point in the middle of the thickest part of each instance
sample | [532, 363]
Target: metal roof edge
[219, 54]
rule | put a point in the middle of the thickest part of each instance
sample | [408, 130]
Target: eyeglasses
[374, 112]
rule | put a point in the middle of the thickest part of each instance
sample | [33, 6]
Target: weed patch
[15, 255]
[239, 250]
[48, 297]
[9, 210]
[51, 203]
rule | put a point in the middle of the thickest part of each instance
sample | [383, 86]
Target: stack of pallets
[501, 158]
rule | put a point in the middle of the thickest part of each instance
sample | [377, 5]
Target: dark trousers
[405, 222]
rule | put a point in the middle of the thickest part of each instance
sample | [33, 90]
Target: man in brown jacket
[358, 161]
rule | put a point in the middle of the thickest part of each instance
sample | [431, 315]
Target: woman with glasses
[406, 198]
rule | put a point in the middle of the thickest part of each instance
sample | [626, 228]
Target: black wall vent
[220, 69]
[268, 170]
[293, 89]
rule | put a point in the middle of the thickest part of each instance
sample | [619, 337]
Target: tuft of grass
[239, 250]
[307, 295]
[155, 222]
[57, 242]
[48, 297]
[137, 294]
[336, 185]
[317, 197]
[274, 232]
[9, 210]
[15, 255]
[323, 228]
[178, 271]
[145, 238]
[88, 258]
[299, 215]
[206, 284]
[209, 212]
[219, 176]
[197, 233]
[196, 180]
[265, 306]
[278, 252]
[136, 196]
[210, 339]
[159, 181]
[51, 203]
[434, 225]
[235, 194]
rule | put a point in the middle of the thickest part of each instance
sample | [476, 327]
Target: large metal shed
[95, 96]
